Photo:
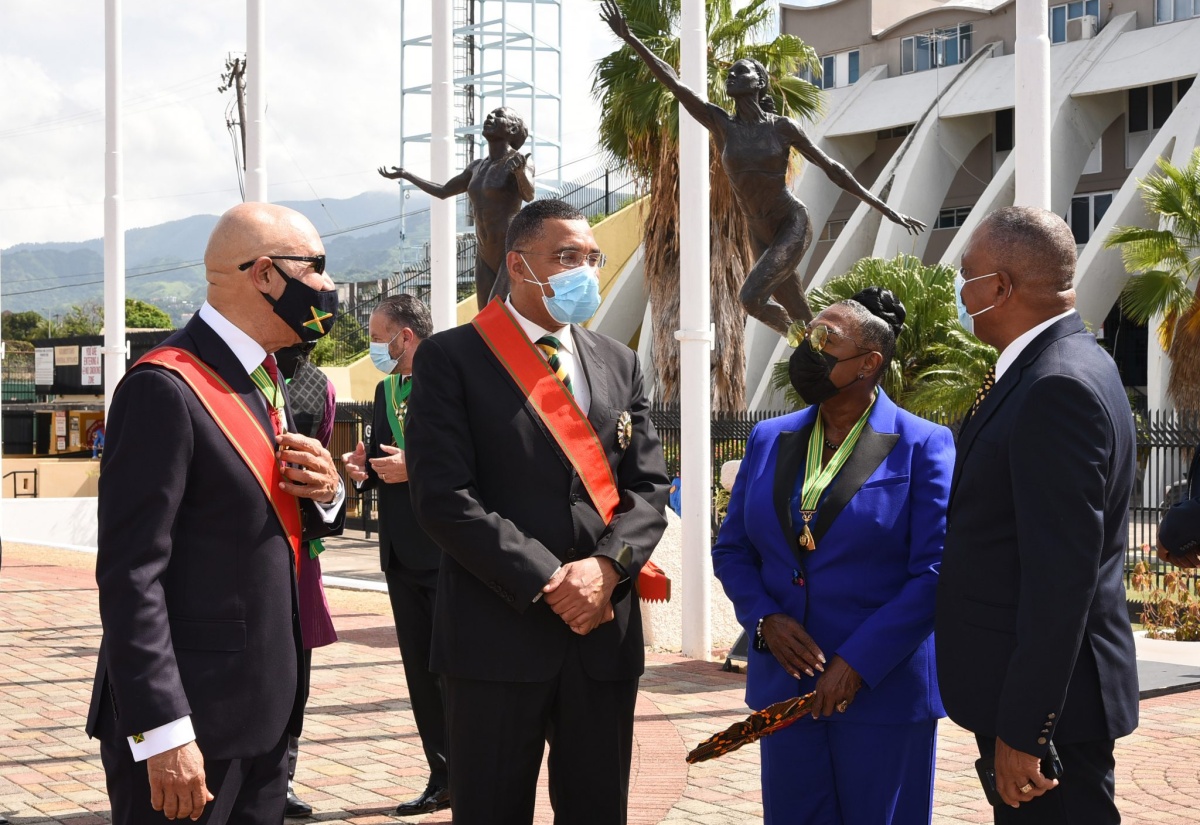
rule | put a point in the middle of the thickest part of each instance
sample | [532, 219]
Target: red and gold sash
[242, 429]
[568, 425]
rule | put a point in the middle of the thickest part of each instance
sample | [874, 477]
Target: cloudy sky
[333, 76]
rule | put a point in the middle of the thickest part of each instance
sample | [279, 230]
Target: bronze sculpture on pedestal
[496, 185]
[755, 146]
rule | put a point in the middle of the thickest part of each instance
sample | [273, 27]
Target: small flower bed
[1172, 611]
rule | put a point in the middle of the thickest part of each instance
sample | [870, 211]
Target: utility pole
[235, 78]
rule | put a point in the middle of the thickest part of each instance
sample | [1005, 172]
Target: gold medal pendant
[806, 537]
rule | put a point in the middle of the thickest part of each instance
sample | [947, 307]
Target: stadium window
[941, 47]
[1004, 130]
[1168, 11]
[1085, 214]
[952, 218]
[1060, 14]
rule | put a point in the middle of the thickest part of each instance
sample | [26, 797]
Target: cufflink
[138, 738]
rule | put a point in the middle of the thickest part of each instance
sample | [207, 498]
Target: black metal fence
[1165, 445]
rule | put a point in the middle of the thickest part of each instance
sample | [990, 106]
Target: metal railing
[22, 490]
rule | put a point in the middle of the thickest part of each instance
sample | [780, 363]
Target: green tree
[141, 315]
[938, 366]
[639, 129]
[23, 326]
[81, 319]
[1164, 264]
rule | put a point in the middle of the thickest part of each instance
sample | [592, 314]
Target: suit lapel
[1070, 325]
[870, 451]
[212, 350]
[789, 462]
[595, 372]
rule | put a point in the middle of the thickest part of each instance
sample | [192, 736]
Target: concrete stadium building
[919, 105]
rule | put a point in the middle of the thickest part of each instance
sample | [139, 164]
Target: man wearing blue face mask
[407, 555]
[537, 471]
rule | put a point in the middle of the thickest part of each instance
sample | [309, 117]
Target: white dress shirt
[250, 355]
[1009, 356]
[566, 355]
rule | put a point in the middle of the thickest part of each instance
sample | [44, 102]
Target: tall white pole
[443, 288]
[1033, 105]
[114, 228]
[256, 101]
[695, 343]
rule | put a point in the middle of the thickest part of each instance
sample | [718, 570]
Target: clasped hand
[797, 653]
[579, 593]
[307, 468]
[1016, 771]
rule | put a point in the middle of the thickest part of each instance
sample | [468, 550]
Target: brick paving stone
[360, 754]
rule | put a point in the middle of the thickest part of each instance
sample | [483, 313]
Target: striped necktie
[549, 345]
[266, 378]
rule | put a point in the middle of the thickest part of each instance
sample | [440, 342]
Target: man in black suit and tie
[536, 469]
[1033, 639]
[408, 557]
[205, 499]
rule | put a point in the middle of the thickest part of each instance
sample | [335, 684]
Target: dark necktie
[989, 381]
[550, 346]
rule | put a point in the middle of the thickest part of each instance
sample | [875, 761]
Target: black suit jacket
[1032, 633]
[499, 497]
[1179, 531]
[197, 592]
[401, 539]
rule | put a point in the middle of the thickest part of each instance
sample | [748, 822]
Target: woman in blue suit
[830, 555]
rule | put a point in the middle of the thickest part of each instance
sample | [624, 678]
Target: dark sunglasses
[317, 261]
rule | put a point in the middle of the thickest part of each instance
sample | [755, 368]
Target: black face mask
[309, 312]
[809, 372]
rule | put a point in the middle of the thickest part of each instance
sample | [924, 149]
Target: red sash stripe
[243, 430]
[571, 429]
[554, 405]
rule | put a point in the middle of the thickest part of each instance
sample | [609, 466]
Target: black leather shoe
[434, 798]
[295, 808]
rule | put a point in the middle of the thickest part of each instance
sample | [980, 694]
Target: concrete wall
[53, 522]
[56, 477]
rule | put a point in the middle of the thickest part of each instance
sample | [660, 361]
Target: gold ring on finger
[842, 705]
[1026, 788]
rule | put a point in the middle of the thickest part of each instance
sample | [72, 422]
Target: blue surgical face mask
[576, 294]
[967, 319]
[381, 355]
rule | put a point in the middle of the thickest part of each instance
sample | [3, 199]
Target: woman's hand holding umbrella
[836, 688]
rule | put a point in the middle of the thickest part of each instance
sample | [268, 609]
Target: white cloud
[333, 105]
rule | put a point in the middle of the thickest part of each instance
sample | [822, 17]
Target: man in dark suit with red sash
[534, 466]
[206, 497]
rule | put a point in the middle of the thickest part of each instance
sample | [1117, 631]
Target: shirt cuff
[329, 511]
[541, 593]
[162, 739]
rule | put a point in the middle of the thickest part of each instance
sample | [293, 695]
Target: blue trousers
[842, 773]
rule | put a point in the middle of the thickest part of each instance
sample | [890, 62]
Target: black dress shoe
[295, 808]
[434, 798]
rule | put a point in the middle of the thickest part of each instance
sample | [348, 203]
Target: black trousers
[1084, 796]
[498, 731]
[412, 593]
[293, 748]
[247, 791]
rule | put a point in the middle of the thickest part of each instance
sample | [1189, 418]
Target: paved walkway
[360, 754]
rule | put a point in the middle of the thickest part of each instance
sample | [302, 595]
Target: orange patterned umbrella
[755, 726]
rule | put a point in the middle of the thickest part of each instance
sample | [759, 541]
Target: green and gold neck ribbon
[817, 478]
[397, 389]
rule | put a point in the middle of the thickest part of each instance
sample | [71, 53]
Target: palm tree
[938, 366]
[1164, 264]
[639, 128]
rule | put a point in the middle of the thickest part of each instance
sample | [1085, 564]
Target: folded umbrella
[755, 726]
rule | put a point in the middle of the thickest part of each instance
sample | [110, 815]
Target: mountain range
[163, 262]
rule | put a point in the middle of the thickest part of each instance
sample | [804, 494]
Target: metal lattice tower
[506, 53]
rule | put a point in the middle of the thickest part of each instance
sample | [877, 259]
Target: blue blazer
[868, 588]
